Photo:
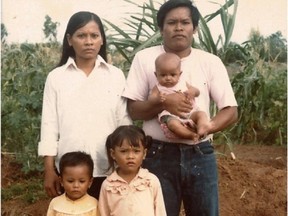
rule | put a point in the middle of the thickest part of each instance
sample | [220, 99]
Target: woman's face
[86, 41]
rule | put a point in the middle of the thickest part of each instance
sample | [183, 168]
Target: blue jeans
[187, 173]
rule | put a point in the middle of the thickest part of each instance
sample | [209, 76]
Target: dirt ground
[254, 184]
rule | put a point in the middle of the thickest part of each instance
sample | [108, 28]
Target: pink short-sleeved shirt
[141, 197]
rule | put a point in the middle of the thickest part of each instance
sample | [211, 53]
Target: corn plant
[142, 32]
[4, 33]
[261, 92]
[228, 21]
[24, 69]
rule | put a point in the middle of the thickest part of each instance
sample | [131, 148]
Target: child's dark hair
[133, 134]
[72, 159]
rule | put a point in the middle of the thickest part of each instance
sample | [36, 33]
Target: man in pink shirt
[187, 171]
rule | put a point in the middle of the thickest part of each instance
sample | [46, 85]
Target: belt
[195, 148]
[177, 143]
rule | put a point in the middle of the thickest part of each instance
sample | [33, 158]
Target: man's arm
[224, 118]
[145, 110]
[175, 103]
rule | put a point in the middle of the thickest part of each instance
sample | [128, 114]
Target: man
[187, 171]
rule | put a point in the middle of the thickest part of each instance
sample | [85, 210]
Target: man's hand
[177, 104]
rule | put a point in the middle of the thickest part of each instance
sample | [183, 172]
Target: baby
[168, 73]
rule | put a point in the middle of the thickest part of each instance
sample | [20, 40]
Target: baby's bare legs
[202, 122]
[181, 130]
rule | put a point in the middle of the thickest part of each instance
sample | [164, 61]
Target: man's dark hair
[172, 4]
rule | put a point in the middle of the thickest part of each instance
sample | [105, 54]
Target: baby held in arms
[168, 73]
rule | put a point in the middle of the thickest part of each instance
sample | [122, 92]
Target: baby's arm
[155, 94]
[192, 91]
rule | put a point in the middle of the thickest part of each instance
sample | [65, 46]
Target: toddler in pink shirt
[130, 189]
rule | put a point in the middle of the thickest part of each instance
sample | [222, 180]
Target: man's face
[178, 31]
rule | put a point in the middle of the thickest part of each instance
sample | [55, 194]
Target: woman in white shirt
[82, 101]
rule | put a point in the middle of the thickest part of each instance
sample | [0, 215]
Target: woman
[82, 102]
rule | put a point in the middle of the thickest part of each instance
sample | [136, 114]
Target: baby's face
[168, 75]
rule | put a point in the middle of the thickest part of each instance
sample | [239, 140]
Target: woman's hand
[51, 179]
[52, 184]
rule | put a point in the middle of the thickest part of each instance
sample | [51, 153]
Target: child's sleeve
[103, 202]
[159, 206]
[50, 211]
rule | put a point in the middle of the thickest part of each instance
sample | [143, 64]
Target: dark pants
[188, 174]
[94, 190]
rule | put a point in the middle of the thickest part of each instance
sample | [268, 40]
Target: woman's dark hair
[78, 20]
[133, 134]
[172, 4]
[72, 159]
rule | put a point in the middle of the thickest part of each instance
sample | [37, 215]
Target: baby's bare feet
[203, 129]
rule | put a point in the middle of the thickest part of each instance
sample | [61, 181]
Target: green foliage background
[258, 77]
[24, 70]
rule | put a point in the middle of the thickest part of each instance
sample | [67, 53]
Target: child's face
[76, 181]
[168, 74]
[128, 157]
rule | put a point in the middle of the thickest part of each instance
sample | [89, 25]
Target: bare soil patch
[253, 184]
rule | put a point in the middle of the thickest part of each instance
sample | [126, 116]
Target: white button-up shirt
[80, 111]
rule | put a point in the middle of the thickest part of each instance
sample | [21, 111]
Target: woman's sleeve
[122, 115]
[49, 123]
[137, 85]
